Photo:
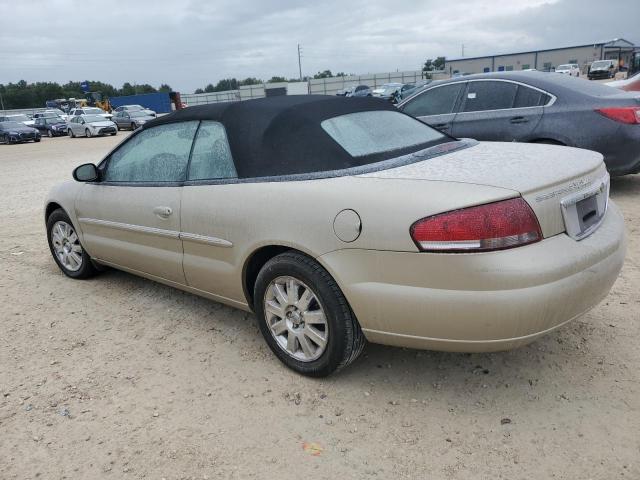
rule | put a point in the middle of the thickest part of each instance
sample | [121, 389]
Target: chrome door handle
[163, 212]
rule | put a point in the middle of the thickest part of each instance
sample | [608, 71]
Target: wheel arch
[548, 140]
[50, 208]
[260, 256]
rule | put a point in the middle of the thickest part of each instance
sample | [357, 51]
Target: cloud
[194, 43]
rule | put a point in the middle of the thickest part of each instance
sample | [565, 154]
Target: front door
[131, 217]
[208, 218]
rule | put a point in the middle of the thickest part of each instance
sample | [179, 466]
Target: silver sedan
[91, 126]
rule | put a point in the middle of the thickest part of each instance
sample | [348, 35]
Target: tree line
[32, 95]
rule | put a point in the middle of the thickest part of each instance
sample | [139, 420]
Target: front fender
[64, 194]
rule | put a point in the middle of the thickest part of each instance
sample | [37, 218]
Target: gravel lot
[119, 377]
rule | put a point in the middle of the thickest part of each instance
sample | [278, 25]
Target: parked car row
[79, 122]
[535, 107]
[393, 92]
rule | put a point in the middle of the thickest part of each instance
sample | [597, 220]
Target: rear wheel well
[53, 206]
[255, 263]
[548, 141]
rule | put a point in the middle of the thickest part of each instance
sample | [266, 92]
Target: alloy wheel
[66, 246]
[296, 318]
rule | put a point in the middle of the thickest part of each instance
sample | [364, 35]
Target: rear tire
[339, 329]
[71, 134]
[66, 249]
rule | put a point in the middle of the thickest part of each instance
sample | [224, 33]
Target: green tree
[199, 90]
[324, 74]
[165, 88]
[209, 88]
[127, 89]
[249, 81]
[276, 79]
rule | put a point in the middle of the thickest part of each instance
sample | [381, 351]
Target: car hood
[143, 119]
[106, 123]
[542, 174]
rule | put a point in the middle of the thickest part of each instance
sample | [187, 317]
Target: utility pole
[299, 62]
[462, 50]
[1, 102]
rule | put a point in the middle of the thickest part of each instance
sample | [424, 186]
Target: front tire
[66, 248]
[304, 317]
[133, 127]
[49, 134]
[87, 132]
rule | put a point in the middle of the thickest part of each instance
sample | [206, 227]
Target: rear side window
[436, 101]
[157, 154]
[211, 156]
[483, 96]
[528, 97]
[370, 133]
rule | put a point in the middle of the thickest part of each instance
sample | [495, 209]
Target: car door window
[482, 96]
[157, 154]
[528, 97]
[211, 156]
[436, 101]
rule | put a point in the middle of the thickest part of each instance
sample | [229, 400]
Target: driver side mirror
[87, 172]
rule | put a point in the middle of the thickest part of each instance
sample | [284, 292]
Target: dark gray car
[535, 107]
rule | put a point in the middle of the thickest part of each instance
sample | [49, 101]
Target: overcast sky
[191, 43]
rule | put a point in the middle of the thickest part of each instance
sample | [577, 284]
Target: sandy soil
[119, 377]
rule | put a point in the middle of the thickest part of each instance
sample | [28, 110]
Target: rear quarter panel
[300, 215]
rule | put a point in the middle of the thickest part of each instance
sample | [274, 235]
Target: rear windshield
[565, 67]
[19, 118]
[380, 132]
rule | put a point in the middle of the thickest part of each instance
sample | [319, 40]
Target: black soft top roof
[281, 135]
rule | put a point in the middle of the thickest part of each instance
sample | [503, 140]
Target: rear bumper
[479, 302]
[622, 153]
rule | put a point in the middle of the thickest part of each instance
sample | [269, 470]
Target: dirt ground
[119, 377]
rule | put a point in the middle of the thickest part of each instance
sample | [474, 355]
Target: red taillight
[494, 226]
[629, 115]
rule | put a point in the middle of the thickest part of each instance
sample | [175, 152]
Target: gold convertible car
[337, 220]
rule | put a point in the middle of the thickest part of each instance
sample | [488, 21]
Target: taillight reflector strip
[493, 226]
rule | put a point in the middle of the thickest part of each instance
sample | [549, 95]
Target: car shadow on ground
[626, 185]
[394, 372]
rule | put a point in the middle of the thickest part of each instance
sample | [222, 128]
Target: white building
[618, 49]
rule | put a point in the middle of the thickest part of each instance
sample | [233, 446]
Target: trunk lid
[544, 175]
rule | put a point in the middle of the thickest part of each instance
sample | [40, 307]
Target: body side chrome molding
[190, 237]
[194, 237]
[131, 228]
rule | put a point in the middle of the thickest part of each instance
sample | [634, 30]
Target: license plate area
[583, 212]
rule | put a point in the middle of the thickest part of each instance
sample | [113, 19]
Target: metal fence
[214, 97]
[331, 86]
